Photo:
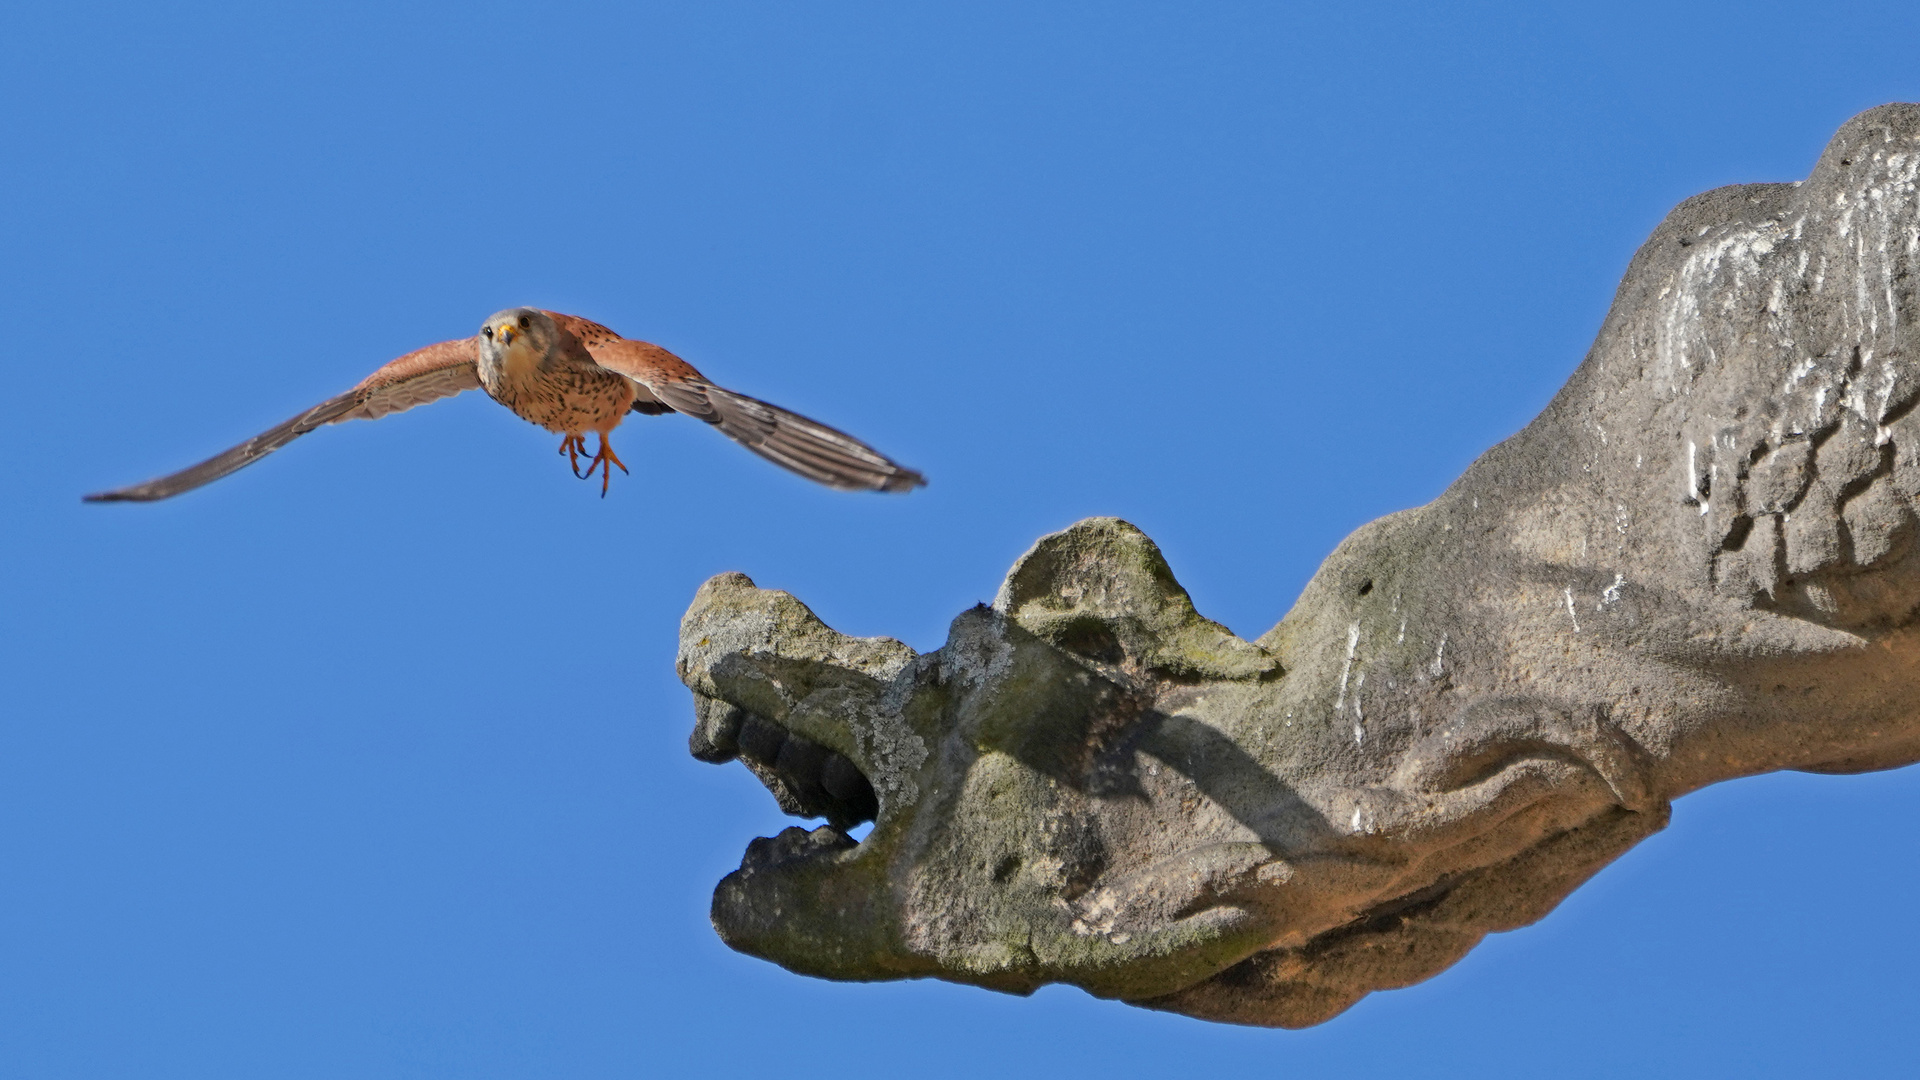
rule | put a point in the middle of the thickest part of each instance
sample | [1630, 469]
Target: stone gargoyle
[1699, 563]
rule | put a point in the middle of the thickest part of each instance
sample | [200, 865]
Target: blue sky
[369, 760]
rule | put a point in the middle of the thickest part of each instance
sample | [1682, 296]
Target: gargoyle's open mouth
[807, 779]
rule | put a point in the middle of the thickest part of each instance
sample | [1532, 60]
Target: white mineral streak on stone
[1853, 396]
[1693, 478]
[1403, 633]
[1715, 270]
[1611, 593]
[1568, 593]
[1439, 658]
[1889, 380]
[1799, 373]
[1353, 641]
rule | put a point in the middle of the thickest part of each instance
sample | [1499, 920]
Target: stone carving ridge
[1699, 563]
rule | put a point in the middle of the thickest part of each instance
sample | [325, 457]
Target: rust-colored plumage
[570, 376]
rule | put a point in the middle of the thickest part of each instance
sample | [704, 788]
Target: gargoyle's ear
[1102, 590]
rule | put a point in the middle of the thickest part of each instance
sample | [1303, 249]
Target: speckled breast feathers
[544, 373]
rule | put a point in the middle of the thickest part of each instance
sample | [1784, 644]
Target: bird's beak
[507, 334]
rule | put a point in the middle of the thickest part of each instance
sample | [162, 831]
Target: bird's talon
[604, 460]
[573, 446]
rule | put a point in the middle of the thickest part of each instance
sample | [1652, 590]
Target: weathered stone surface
[1698, 563]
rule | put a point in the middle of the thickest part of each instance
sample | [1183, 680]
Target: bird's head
[516, 334]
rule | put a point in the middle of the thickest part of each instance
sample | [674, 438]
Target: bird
[571, 376]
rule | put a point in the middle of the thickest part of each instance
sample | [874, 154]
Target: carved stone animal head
[1701, 562]
[1083, 786]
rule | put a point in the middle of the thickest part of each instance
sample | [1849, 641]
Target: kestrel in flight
[570, 376]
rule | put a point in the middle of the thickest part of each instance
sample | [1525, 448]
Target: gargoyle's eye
[525, 321]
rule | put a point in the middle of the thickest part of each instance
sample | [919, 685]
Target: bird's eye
[525, 321]
[488, 331]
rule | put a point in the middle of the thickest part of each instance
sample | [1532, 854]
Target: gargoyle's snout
[797, 703]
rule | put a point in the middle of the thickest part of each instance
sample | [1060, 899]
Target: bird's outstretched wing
[421, 376]
[787, 439]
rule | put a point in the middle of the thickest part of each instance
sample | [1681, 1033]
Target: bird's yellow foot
[604, 461]
[573, 446]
